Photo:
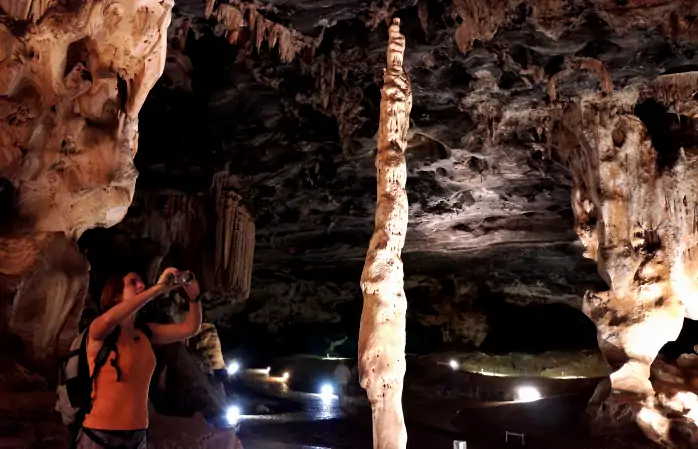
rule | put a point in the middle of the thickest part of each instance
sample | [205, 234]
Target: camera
[180, 278]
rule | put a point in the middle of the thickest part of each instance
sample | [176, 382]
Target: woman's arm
[105, 323]
[169, 333]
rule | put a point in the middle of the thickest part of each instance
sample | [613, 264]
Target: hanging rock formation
[73, 77]
[634, 197]
[235, 231]
[382, 335]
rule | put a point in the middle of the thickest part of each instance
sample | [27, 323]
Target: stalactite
[423, 13]
[236, 15]
[235, 233]
[481, 19]
[382, 333]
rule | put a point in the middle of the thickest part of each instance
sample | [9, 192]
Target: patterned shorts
[111, 439]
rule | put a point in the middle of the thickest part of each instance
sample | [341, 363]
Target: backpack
[75, 383]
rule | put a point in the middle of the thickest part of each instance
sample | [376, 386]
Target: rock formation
[287, 94]
[73, 78]
[382, 334]
[211, 233]
[634, 198]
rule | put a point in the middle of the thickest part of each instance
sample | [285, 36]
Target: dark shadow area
[538, 328]
[669, 131]
[8, 195]
[688, 338]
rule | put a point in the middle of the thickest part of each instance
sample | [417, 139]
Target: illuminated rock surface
[541, 132]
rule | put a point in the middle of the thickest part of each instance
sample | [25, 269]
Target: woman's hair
[112, 290]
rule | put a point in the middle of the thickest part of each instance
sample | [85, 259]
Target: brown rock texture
[73, 78]
[382, 334]
[633, 196]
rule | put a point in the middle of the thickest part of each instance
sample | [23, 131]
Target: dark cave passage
[538, 328]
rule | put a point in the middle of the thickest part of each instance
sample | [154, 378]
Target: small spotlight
[453, 364]
[285, 376]
[268, 368]
[326, 391]
[233, 415]
[233, 368]
[527, 394]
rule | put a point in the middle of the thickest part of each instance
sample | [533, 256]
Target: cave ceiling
[489, 196]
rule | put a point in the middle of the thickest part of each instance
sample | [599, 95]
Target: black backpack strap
[143, 327]
[108, 346]
[110, 343]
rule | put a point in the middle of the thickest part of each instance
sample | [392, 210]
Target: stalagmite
[382, 335]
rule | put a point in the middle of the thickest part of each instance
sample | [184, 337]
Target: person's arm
[169, 333]
[106, 322]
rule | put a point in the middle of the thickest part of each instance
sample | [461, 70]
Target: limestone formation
[235, 231]
[634, 199]
[211, 234]
[73, 78]
[243, 22]
[382, 334]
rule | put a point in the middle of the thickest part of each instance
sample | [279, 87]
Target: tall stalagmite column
[382, 334]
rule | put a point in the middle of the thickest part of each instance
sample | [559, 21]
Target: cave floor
[355, 433]
[432, 423]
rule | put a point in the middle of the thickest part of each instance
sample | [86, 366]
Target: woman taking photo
[118, 417]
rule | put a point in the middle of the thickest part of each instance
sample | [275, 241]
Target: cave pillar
[637, 218]
[382, 334]
[73, 77]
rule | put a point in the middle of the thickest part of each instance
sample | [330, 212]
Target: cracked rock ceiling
[489, 197]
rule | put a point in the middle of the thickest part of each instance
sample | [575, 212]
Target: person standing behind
[341, 379]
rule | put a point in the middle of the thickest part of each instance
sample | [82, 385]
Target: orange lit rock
[73, 78]
[634, 206]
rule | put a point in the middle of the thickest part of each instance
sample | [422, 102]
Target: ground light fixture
[453, 364]
[285, 376]
[233, 368]
[233, 415]
[527, 393]
[326, 391]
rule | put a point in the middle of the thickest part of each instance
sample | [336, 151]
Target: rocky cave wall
[506, 96]
[73, 78]
[490, 186]
[282, 99]
[285, 99]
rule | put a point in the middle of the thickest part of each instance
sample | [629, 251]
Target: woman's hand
[164, 278]
[192, 288]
